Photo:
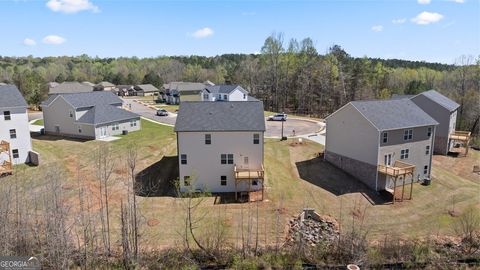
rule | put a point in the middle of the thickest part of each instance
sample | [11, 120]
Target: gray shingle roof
[11, 97]
[146, 88]
[106, 114]
[220, 116]
[393, 114]
[441, 100]
[70, 87]
[225, 88]
[90, 99]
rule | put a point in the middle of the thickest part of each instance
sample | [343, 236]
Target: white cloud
[458, 1]
[203, 33]
[29, 42]
[424, 2]
[427, 18]
[377, 28]
[53, 40]
[399, 21]
[71, 6]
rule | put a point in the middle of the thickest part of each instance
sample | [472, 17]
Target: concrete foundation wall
[441, 145]
[363, 171]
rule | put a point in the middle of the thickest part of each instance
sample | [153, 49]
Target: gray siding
[445, 118]
[349, 134]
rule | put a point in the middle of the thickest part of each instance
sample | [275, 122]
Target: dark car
[162, 112]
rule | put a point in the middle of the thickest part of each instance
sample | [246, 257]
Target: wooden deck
[399, 168]
[463, 137]
[250, 175]
[6, 167]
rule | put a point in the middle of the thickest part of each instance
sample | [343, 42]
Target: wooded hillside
[288, 76]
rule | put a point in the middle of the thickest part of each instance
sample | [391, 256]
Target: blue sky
[430, 30]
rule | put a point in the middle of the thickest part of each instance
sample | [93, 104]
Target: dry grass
[289, 189]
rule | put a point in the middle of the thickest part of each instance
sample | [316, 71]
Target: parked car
[162, 112]
[278, 117]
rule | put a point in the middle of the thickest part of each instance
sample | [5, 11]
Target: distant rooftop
[84, 100]
[70, 87]
[225, 88]
[393, 114]
[220, 116]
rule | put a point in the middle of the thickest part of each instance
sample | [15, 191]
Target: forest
[290, 76]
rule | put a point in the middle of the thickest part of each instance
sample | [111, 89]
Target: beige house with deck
[220, 147]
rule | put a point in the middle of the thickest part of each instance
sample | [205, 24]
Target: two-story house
[14, 128]
[444, 111]
[383, 143]
[220, 146]
[91, 115]
[224, 92]
[183, 91]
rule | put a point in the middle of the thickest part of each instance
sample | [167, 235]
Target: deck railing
[398, 168]
[249, 173]
[460, 135]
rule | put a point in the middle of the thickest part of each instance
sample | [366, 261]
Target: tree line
[287, 76]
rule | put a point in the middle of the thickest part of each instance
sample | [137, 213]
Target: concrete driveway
[150, 113]
[293, 127]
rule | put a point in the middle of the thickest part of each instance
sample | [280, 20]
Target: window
[226, 159]
[255, 182]
[225, 97]
[244, 96]
[205, 96]
[15, 153]
[219, 97]
[223, 180]
[408, 134]
[387, 160]
[183, 159]
[429, 132]
[223, 159]
[6, 115]
[79, 129]
[425, 169]
[208, 138]
[186, 180]
[133, 123]
[70, 113]
[256, 138]
[385, 137]
[404, 153]
[245, 160]
[115, 126]
[13, 134]
[427, 150]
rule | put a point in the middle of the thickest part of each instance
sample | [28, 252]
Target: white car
[278, 117]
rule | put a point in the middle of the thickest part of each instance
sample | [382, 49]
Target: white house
[224, 92]
[220, 146]
[90, 115]
[14, 125]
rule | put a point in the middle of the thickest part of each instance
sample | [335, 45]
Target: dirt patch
[460, 165]
[153, 222]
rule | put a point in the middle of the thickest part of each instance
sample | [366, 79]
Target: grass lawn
[295, 179]
[38, 122]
